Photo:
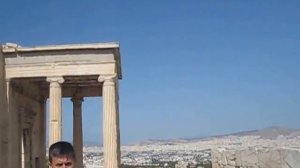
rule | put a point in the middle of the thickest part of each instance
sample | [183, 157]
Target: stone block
[290, 158]
[269, 158]
[256, 158]
[249, 157]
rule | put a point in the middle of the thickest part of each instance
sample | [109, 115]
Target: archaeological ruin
[30, 76]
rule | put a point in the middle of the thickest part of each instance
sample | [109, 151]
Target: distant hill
[265, 133]
[161, 142]
[270, 132]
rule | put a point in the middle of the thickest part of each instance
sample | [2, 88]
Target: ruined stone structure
[256, 158]
[31, 75]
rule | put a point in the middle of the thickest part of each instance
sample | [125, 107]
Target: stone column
[27, 148]
[14, 152]
[22, 121]
[42, 133]
[77, 130]
[20, 131]
[111, 133]
[11, 151]
[55, 96]
[23, 150]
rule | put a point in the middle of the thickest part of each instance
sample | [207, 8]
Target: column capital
[77, 97]
[57, 79]
[8, 79]
[77, 100]
[109, 79]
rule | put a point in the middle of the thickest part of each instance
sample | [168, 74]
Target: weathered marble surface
[256, 158]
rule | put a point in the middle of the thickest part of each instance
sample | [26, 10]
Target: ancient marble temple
[30, 76]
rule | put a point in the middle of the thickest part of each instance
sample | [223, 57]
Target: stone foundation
[256, 158]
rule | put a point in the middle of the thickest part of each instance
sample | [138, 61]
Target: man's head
[61, 155]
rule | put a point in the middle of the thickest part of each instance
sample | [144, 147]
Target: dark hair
[61, 148]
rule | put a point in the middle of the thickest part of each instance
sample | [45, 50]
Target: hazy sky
[190, 67]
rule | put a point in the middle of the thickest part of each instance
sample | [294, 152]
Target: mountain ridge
[272, 132]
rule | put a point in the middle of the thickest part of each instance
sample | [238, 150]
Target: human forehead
[62, 158]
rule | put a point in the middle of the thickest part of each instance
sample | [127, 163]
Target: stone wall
[256, 158]
[3, 114]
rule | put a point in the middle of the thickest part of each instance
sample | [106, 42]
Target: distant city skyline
[190, 68]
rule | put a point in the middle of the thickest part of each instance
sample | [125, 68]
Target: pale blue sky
[190, 68]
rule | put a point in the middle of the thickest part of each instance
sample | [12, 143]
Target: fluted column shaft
[55, 96]
[42, 131]
[77, 130]
[111, 140]
[14, 152]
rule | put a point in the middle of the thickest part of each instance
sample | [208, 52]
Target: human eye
[59, 165]
[68, 164]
